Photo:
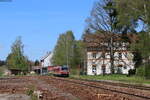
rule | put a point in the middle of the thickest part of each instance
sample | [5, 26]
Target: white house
[98, 54]
[46, 61]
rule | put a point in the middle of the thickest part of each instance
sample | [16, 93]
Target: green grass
[115, 77]
[1, 71]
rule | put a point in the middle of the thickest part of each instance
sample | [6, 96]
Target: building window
[120, 44]
[119, 69]
[103, 69]
[94, 69]
[103, 55]
[119, 65]
[125, 67]
[120, 55]
[94, 55]
[93, 63]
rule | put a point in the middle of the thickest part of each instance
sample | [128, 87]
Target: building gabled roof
[94, 40]
[44, 57]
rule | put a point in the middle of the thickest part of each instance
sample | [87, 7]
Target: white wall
[46, 61]
[126, 63]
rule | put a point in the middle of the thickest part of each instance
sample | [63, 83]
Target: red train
[59, 71]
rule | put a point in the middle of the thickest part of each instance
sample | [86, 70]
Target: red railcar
[60, 71]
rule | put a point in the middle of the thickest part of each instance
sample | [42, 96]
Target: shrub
[1, 71]
[30, 92]
[144, 71]
[141, 71]
[74, 71]
[119, 71]
[131, 72]
[147, 71]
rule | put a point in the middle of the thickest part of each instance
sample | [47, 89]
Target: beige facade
[103, 49]
[96, 64]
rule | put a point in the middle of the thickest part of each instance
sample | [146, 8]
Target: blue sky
[39, 23]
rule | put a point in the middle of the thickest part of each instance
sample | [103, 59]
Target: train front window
[64, 68]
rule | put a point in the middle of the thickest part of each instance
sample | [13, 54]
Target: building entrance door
[94, 69]
[103, 69]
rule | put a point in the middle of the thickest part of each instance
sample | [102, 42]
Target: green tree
[80, 56]
[142, 47]
[16, 59]
[2, 63]
[64, 50]
[136, 13]
[104, 20]
[36, 63]
[104, 17]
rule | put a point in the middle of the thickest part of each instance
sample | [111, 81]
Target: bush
[74, 71]
[131, 72]
[119, 71]
[147, 71]
[1, 71]
[141, 71]
[30, 92]
[144, 71]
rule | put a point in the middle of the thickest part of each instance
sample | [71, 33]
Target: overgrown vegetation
[30, 92]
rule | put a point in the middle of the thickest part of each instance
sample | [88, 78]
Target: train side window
[64, 68]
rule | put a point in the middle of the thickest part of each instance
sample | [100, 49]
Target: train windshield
[64, 68]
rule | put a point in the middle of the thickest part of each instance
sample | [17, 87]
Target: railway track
[103, 88]
[92, 84]
[7, 78]
[140, 87]
[11, 80]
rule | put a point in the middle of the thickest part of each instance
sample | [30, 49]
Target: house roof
[94, 40]
[44, 57]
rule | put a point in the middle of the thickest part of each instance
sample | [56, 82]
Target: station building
[100, 47]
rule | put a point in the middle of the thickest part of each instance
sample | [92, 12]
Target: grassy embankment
[115, 77]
